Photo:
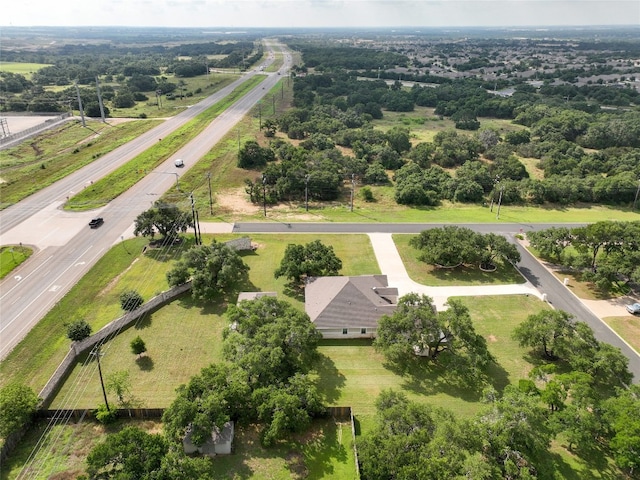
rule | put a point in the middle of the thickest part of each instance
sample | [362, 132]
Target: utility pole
[210, 197]
[100, 101]
[306, 192]
[273, 100]
[238, 141]
[353, 188]
[259, 115]
[496, 182]
[264, 194]
[84, 124]
[635, 200]
[96, 353]
[193, 215]
[199, 232]
[500, 201]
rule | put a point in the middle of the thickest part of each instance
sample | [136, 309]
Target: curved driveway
[539, 279]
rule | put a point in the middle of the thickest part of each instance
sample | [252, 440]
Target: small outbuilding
[219, 443]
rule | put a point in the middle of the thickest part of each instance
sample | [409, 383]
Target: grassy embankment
[109, 187]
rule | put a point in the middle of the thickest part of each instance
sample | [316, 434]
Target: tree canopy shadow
[321, 445]
[331, 381]
[145, 363]
[144, 322]
[422, 376]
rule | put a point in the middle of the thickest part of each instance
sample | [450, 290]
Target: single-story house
[349, 307]
[219, 443]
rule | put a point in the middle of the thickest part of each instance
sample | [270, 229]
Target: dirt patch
[113, 282]
[236, 201]
[492, 338]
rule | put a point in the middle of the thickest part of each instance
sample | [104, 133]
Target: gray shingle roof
[353, 302]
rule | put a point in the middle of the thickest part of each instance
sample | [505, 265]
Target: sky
[318, 13]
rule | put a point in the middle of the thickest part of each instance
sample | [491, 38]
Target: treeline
[345, 58]
[336, 110]
[606, 253]
[138, 69]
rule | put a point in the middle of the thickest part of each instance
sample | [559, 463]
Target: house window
[345, 331]
[363, 331]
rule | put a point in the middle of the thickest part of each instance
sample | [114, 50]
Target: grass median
[120, 180]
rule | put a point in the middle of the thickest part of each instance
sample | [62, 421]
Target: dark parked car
[96, 222]
[634, 309]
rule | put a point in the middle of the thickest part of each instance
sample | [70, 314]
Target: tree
[286, 408]
[210, 399]
[138, 347]
[270, 340]
[212, 269]
[124, 99]
[130, 300]
[398, 139]
[547, 330]
[448, 246]
[413, 440]
[17, 405]
[415, 328]
[166, 219]
[498, 247]
[78, 330]
[515, 433]
[129, 454]
[550, 242]
[623, 416]
[252, 155]
[119, 383]
[311, 260]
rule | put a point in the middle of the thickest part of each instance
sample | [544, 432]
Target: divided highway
[68, 248]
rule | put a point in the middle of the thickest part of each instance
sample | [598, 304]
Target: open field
[25, 69]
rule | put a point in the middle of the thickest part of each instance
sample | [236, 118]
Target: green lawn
[628, 327]
[176, 349]
[430, 275]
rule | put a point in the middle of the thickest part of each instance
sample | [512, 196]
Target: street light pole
[124, 245]
[635, 200]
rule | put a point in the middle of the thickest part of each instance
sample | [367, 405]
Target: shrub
[78, 330]
[104, 415]
[130, 300]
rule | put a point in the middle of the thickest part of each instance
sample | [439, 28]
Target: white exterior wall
[352, 332]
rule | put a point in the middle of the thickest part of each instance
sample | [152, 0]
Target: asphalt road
[557, 294]
[66, 248]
